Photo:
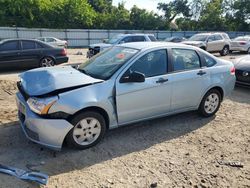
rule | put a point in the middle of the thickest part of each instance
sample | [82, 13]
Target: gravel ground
[184, 150]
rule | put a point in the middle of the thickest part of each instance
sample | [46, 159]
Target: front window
[152, 64]
[114, 39]
[199, 38]
[106, 63]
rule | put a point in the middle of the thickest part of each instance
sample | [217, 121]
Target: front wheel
[210, 103]
[224, 51]
[89, 129]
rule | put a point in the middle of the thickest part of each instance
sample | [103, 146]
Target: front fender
[97, 95]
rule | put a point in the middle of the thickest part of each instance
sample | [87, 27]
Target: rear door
[215, 43]
[137, 101]
[9, 54]
[189, 79]
[29, 54]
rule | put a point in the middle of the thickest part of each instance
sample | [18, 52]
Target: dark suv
[29, 53]
[119, 39]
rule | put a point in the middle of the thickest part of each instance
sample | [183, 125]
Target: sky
[150, 5]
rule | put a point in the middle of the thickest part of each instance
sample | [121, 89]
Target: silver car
[241, 44]
[124, 84]
[54, 41]
[119, 39]
[211, 42]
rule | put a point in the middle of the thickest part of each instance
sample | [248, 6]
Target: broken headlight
[41, 105]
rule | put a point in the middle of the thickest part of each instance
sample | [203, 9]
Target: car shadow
[20, 152]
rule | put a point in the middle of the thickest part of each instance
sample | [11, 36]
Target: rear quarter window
[209, 61]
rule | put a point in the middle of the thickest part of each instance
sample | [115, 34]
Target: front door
[137, 101]
[9, 54]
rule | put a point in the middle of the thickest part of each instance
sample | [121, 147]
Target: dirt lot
[178, 151]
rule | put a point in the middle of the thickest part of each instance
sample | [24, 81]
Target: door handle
[161, 80]
[200, 73]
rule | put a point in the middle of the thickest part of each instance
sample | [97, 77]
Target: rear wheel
[47, 62]
[89, 129]
[224, 51]
[210, 103]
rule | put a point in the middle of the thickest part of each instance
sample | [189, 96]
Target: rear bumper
[242, 49]
[47, 132]
[60, 60]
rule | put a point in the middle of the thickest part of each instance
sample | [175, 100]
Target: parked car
[242, 66]
[118, 39]
[28, 53]
[175, 39]
[54, 41]
[124, 84]
[211, 42]
[241, 44]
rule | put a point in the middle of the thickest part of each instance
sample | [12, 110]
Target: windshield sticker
[120, 56]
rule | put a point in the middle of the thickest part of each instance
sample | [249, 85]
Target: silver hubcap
[225, 51]
[87, 131]
[211, 103]
[47, 62]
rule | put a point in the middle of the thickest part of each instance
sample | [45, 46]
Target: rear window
[9, 46]
[152, 38]
[28, 45]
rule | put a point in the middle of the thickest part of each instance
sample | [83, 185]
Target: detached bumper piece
[25, 175]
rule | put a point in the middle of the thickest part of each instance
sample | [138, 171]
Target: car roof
[136, 34]
[150, 45]
[210, 33]
[7, 40]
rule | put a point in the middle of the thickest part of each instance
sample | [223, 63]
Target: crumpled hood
[194, 43]
[101, 45]
[42, 81]
[243, 63]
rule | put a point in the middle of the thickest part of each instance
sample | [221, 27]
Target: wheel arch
[94, 109]
[219, 88]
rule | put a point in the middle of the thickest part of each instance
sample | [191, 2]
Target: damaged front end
[39, 90]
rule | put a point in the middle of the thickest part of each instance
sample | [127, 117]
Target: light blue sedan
[125, 84]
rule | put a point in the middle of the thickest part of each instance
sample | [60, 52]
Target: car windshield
[105, 64]
[114, 39]
[242, 39]
[198, 38]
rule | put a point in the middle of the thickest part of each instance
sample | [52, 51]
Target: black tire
[47, 62]
[70, 138]
[203, 48]
[203, 107]
[224, 51]
[248, 51]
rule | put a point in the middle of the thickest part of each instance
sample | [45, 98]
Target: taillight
[63, 52]
[232, 71]
[243, 43]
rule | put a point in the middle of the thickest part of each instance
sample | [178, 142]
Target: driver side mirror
[133, 77]
[122, 42]
[105, 40]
